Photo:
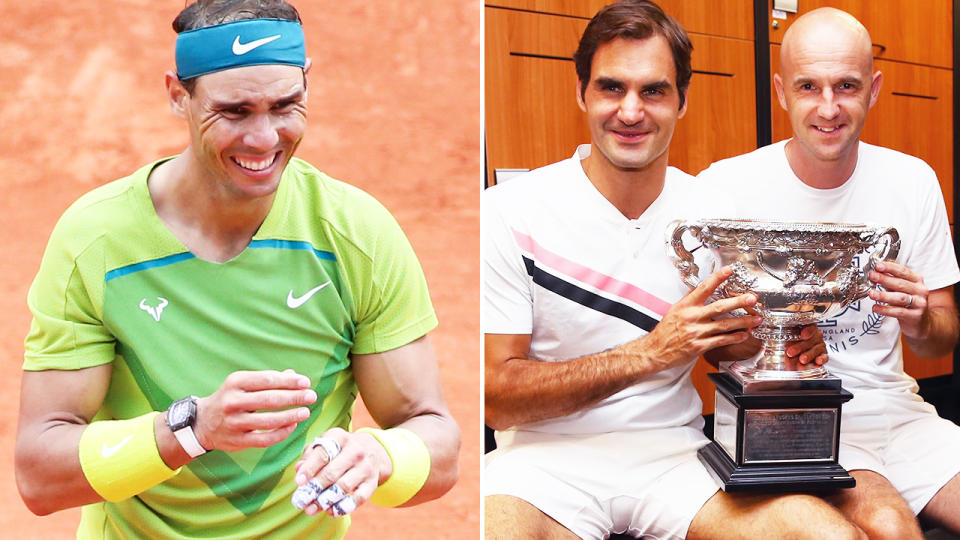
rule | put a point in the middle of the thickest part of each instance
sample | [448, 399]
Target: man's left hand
[904, 297]
[350, 477]
[810, 348]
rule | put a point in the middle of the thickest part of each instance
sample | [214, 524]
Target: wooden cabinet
[920, 32]
[721, 119]
[730, 18]
[914, 115]
[532, 117]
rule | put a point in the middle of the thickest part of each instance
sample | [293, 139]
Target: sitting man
[590, 333]
[904, 457]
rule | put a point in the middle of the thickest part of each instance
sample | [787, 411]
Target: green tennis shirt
[328, 274]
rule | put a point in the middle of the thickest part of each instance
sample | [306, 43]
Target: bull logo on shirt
[154, 312]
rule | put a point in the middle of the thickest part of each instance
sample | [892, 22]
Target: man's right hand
[521, 390]
[689, 328]
[253, 409]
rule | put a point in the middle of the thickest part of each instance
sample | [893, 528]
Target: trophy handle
[884, 246]
[682, 258]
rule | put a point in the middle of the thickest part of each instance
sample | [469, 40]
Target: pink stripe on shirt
[600, 281]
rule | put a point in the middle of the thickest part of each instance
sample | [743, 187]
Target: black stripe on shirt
[588, 299]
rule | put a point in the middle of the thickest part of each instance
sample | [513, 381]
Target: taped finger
[330, 496]
[344, 506]
[306, 494]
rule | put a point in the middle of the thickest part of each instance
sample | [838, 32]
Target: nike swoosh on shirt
[244, 48]
[293, 302]
[108, 451]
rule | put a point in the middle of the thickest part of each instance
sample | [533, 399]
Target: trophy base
[772, 478]
[776, 437]
[753, 379]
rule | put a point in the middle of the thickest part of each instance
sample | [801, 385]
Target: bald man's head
[826, 84]
[827, 29]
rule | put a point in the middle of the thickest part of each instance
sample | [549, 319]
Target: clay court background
[395, 108]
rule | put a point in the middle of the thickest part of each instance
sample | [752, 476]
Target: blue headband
[249, 42]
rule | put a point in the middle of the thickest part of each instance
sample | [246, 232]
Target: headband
[249, 42]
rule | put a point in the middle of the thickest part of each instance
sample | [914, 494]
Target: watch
[181, 417]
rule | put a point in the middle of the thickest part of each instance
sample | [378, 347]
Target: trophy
[777, 423]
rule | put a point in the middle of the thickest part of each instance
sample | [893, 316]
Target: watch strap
[188, 440]
[182, 428]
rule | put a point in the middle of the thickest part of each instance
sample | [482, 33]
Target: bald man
[905, 458]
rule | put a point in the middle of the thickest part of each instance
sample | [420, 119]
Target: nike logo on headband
[243, 48]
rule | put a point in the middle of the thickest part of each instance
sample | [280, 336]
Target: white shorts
[647, 484]
[900, 437]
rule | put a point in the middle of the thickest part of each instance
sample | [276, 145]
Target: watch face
[181, 414]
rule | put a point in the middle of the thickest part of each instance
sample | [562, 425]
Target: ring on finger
[330, 446]
[909, 302]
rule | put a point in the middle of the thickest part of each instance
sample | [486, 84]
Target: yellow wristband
[120, 458]
[411, 465]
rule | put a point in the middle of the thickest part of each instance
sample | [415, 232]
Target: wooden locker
[920, 32]
[532, 117]
[730, 18]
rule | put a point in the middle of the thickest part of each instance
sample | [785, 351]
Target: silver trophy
[776, 423]
[801, 273]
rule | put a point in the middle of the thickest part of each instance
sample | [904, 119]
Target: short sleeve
[507, 296]
[66, 301]
[394, 308]
[933, 256]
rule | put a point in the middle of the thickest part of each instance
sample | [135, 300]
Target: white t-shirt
[563, 264]
[887, 188]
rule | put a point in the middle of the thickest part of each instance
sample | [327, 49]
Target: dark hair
[634, 19]
[204, 13]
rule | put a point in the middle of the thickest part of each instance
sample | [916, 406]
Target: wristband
[120, 458]
[411, 465]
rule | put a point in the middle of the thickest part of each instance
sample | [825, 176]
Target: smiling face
[245, 124]
[827, 86]
[632, 102]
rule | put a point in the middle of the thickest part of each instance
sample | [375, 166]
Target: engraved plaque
[775, 439]
[725, 425]
[774, 435]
